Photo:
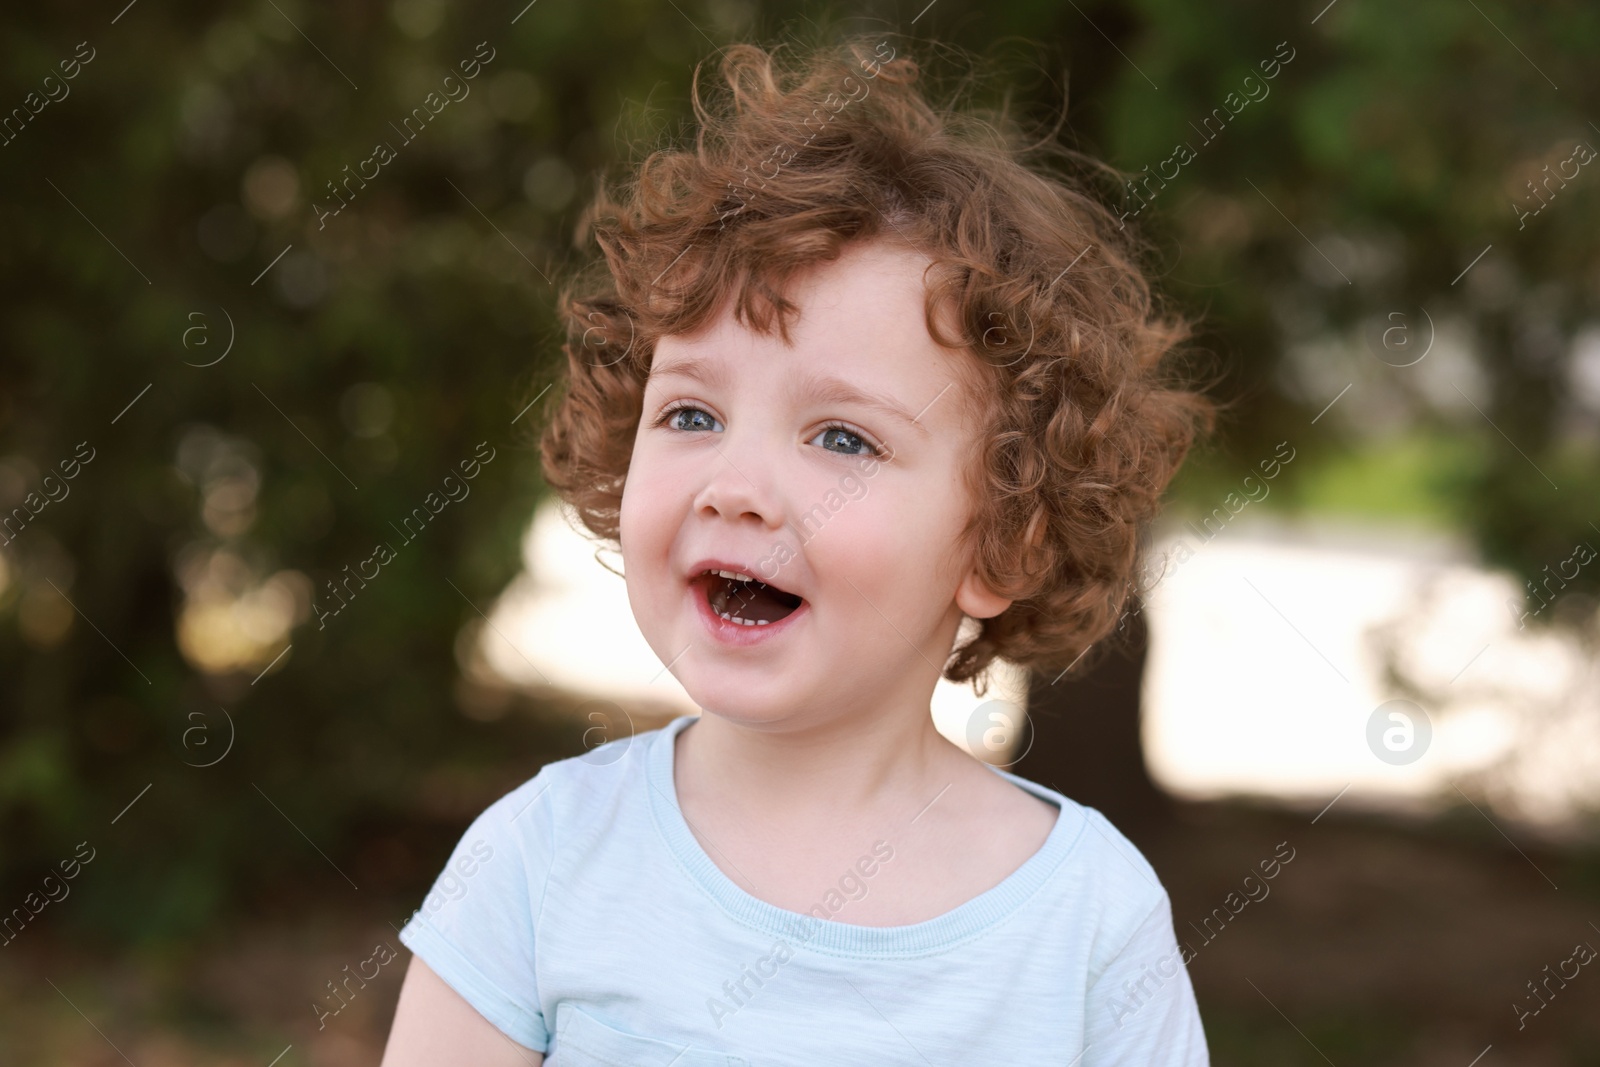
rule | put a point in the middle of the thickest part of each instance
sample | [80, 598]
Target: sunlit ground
[1274, 647]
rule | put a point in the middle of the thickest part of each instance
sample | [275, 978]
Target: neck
[816, 772]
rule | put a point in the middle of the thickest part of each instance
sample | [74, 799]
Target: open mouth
[740, 599]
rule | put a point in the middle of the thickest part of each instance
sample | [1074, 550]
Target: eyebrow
[824, 388]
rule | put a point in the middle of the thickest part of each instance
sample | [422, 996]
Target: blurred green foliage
[390, 340]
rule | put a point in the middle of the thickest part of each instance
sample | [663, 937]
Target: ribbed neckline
[841, 938]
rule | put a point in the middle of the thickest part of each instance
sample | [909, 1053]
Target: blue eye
[697, 419]
[853, 442]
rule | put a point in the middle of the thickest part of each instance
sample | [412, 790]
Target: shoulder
[1118, 864]
[1101, 875]
[512, 847]
[569, 796]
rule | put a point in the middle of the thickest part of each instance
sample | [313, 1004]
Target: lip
[733, 634]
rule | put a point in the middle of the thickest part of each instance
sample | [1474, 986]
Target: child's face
[748, 474]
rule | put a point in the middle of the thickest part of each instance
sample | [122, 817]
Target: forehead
[861, 318]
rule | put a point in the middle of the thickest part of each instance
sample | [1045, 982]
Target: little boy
[864, 401]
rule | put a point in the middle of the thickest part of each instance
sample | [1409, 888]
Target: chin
[728, 698]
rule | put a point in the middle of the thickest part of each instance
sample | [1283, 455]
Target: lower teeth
[745, 622]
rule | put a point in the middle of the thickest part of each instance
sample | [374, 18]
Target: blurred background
[237, 740]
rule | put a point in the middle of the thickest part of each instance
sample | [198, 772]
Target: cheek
[645, 545]
[636, 489]
[628, 510]
[654, 500]
[900, 538]
[634, 528]
[875, 541]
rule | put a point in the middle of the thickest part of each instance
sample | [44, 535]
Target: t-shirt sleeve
[476, 927]
[1141, 1009]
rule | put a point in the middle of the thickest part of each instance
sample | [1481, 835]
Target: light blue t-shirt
[581, 917]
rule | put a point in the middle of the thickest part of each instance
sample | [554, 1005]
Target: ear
[976, 599]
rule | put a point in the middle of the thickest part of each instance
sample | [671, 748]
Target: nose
[739, 484]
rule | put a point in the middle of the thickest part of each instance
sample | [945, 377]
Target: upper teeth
[735, 575]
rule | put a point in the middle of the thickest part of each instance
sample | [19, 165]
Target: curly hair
[794, 157]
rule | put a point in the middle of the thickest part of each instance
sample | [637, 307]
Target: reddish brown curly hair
[795, 156]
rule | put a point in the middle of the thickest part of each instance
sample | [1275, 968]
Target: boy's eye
[853, 443]
[690, 419]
